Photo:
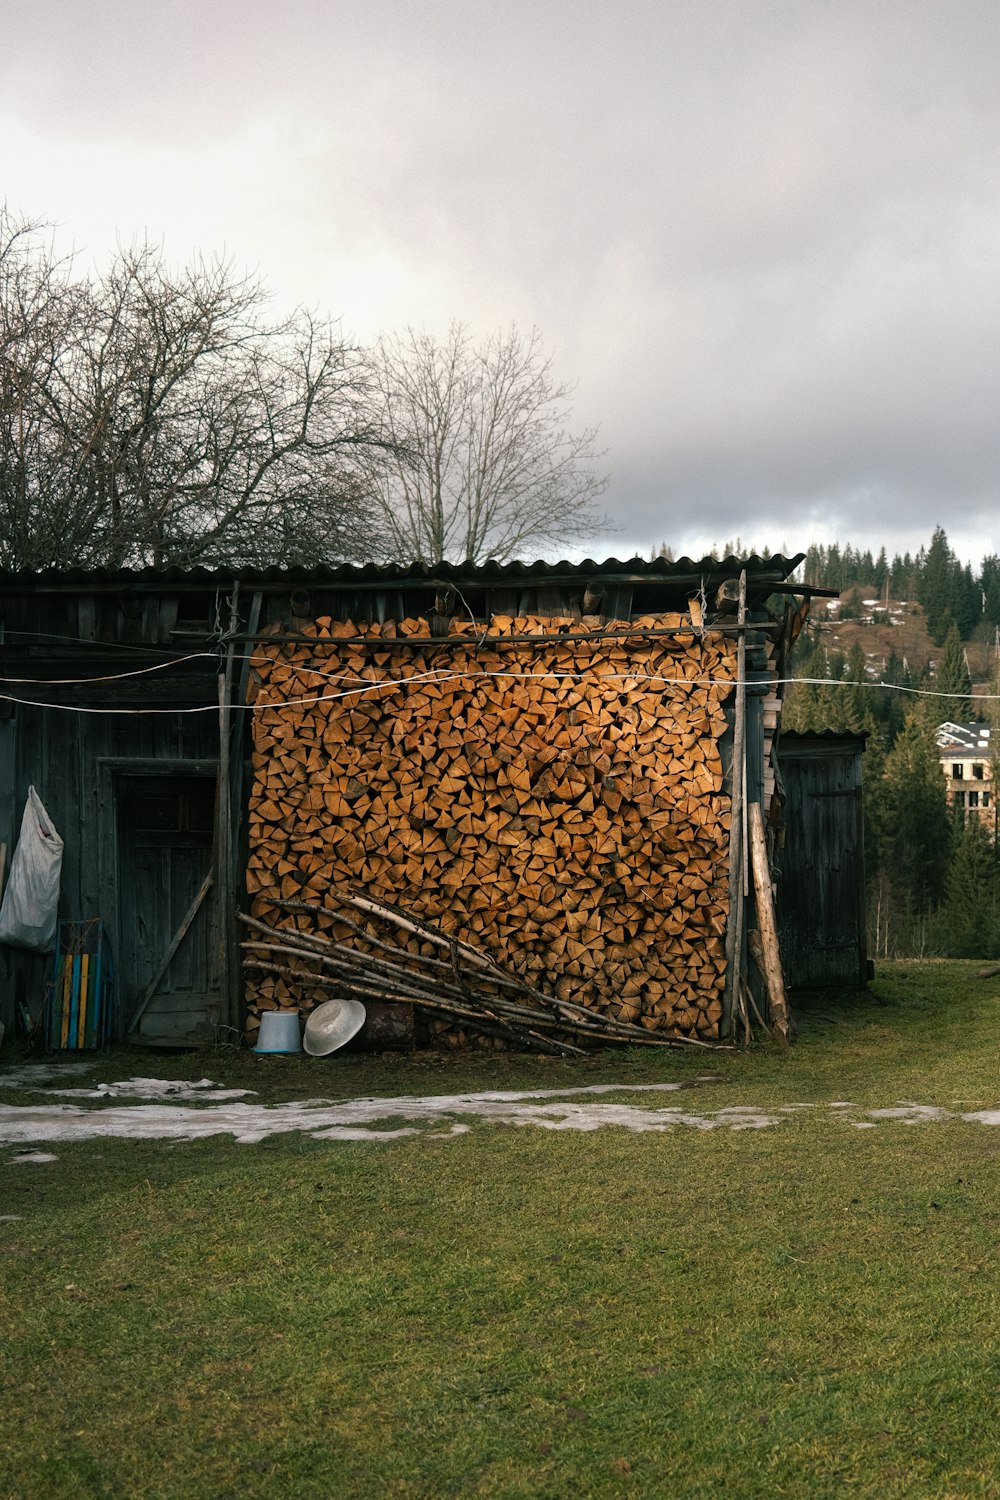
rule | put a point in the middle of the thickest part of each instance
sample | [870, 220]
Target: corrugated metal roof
[491, 573]
[963, 737]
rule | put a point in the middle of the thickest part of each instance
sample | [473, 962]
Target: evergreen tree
[827, 700]
[890, 706]
[953, 677]
[989, 583]
[855, 713]
[966, 603]
[916, 831]
[993, 703]
[968, 924]
[834, 567]
[936, 591]
[800, 709]
[897, 577]
[881, 573]
[813, 568]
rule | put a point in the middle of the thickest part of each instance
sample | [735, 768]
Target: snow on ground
[153, 1088]
[171, 1115]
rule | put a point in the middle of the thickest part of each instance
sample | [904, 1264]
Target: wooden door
[821, 892]
[165, 836]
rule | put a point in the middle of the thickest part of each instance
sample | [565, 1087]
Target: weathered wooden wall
[73, 759]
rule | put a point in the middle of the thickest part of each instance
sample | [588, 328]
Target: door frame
[111, 769]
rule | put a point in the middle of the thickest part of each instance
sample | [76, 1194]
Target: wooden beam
[770, 949]
[172, 948]
[472, 640]
[232, 807]
[732, 1003]
[224, 842]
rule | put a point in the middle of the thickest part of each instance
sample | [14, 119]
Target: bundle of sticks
[454, 981]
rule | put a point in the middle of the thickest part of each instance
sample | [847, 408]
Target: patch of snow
[911, 1114]
[251, 1123]
[153, 1088]
[30, 1157]
[169, 1118]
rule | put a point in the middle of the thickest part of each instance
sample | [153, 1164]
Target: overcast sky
[760, 236]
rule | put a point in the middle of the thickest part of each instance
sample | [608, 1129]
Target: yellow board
[81, 1028]
[67, 991]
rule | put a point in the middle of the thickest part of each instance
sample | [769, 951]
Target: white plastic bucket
[279, 1032]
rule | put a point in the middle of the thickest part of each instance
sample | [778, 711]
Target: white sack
[31, 900]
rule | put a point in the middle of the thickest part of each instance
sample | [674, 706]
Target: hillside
[899, 625]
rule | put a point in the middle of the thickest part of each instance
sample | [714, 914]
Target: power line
[364, 687]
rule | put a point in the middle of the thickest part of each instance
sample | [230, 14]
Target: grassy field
[806, 1310]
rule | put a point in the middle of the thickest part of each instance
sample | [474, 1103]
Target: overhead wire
[362, 687]
[49, 636]
[159, 666]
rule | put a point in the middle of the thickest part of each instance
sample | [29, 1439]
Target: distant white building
[966, 752]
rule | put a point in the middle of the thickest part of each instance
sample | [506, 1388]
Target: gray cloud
[761, 235]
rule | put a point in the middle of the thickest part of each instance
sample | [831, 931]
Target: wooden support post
[232, 732]
[770, 951]
[224, 842]
[732, 1001]
[224, 855]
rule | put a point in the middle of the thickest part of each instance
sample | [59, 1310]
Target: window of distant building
[958, 800]
[957, 771]
[973, 799]
[977, 771]
[986, 799]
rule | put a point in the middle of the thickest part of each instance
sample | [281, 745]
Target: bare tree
[157, 416]
[38, 304]
[479, 461]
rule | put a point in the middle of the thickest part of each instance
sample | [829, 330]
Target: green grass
[810, 1310]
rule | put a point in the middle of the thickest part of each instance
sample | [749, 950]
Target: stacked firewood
[559, 802]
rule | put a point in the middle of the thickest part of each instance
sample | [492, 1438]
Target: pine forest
[911, 644]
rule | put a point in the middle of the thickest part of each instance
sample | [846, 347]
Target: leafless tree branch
[479, 460]
[156, 416]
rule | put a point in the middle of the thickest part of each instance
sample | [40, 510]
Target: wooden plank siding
[72, 760]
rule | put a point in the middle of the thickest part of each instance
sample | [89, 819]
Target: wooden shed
[821, 866]
[207, 740]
